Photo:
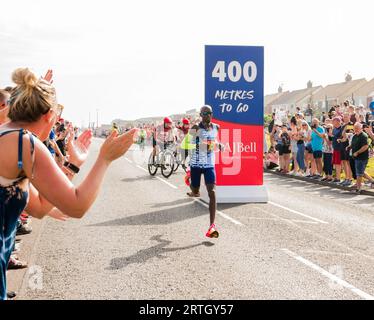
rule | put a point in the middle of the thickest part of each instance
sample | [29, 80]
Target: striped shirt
[203, 155]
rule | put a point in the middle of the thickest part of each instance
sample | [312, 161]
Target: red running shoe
[212, 232]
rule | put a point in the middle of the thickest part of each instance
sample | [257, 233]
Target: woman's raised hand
[48, 76]
[78, 149]
[116, 145]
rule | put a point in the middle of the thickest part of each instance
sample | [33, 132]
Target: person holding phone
[337, 146]
[317, 136]
[344, 152]
[285, 149]
[327, 153]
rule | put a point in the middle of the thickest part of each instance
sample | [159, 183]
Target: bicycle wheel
[176, 166]
[176, 162]
[152, 167]
[167, 164]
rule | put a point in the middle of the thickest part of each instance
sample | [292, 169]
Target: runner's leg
[195, 182]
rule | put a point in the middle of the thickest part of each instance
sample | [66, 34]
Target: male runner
[204, 136]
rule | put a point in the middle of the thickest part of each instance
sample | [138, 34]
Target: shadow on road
[161, 217]
[225, 206]
[140, 178]
[156, 251]
[171, 203]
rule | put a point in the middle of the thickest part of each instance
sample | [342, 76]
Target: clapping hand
[368, 131]
[48, 76]
[78, 149]
[116, 145]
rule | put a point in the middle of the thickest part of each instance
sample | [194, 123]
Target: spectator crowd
[57, 144]
[335, 148]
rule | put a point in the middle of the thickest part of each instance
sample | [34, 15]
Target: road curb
[322, 183]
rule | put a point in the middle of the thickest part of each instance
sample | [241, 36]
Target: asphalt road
[144, 239]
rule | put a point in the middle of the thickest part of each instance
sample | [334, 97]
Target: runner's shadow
[161, 217]
[171, 203]
[225, 206]
[157, 251]
[140, 178]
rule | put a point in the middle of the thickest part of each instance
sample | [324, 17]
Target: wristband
[71, 166]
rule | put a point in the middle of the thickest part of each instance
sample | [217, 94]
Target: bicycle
[164, 159]
[180, 160]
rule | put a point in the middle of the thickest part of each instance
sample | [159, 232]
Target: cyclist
[142, 136]
[204, 136]
[114, 127]
[183, 129]
[162, 136]
[184, 140]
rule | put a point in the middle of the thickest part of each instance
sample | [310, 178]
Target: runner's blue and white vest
[203, 155]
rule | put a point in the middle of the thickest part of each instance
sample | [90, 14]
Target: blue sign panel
[234, 83]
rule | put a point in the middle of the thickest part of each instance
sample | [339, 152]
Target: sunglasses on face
[206, 113]
[58, 110]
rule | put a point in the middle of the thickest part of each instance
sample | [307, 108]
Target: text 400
[235, 71]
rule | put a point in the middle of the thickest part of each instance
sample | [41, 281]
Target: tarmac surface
[145, 239]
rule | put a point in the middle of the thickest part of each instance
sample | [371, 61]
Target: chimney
[348, 77]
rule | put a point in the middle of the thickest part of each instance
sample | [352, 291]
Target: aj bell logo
[239, 147]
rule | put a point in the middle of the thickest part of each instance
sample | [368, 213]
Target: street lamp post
[97, 118]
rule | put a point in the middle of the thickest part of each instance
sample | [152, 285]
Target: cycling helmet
[186, 121]
[167, 120]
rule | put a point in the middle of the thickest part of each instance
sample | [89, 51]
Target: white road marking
[128, 160]
[292, 221]
[304, 221]
[328, 252]
[158, 178]
[220, 213]
[168, 183]
[332, 277]
[278, 219]
[141, 168]
[319, 236]
[297, 212]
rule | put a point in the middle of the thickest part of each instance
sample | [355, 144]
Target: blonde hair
[305, 123]
[31, 98]
[4, 96]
